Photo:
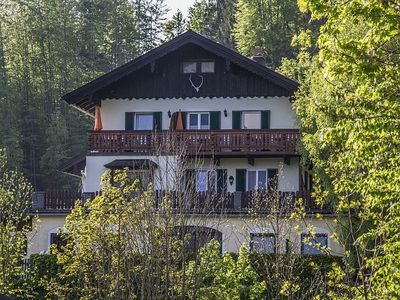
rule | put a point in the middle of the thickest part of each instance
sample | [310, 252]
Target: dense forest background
[48, 48]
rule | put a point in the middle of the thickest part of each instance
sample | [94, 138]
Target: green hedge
[307, 272]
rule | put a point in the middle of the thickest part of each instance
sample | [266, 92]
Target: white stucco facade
[235, 231]
[288, 176]
[282, 115]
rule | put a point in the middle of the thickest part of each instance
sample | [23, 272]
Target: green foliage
[218, 276]
[270, 27]
[349, 114]
[48, 48]
[15, 193]
[118, 246]
[43, 268]
[214, 19]
[175, 26]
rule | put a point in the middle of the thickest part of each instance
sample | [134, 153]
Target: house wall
[39, 239]
[282, 115]
[288, 174]
[235, 231]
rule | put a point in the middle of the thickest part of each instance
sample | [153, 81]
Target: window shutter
[272, 179]
[221, 180]
[172, 121]
[215, 120]
[157, 120]
[129, 120]
[190, 180]
[184, 118]
[240, 180]
[265, 119]
[236, 119]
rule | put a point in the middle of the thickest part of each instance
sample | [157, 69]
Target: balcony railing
[216, 142]
[200, 203]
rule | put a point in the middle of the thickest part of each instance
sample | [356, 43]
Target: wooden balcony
[217, 142]
[54, 202]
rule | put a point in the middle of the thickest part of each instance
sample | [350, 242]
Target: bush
[43, 269]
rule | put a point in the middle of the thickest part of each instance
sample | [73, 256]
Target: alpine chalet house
[229, 112]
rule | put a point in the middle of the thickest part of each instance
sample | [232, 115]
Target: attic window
[198, 67]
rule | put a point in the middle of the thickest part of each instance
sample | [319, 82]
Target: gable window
[198, 121]
[251, 120]
[313, 245]
[196, 67]
[262, 242]
[256, 179]
[144, 121]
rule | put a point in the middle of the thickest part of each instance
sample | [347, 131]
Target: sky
[183, 6]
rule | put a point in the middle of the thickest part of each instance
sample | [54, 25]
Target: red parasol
[97, 122]
[179, 121]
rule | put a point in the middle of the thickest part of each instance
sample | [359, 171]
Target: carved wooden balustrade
[205, 142]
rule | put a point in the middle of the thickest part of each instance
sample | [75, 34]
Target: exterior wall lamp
[225, 112]
[169, 114]
[231, 179]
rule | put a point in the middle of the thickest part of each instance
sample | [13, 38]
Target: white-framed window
[313, 244]
[198, 120]
[196, 67]
[206, 180]
[144, 121]
[262, 242]
[251, 120]
[55, 238]
[256, 180]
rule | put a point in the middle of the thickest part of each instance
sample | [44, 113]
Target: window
[144, 121]
[313, 245]
[262, 242]
[193, 67]
[199, 121]
[207, 67]
[196, 237]
[57, 240]
[206, 180]
[256, 179]
[251, 120]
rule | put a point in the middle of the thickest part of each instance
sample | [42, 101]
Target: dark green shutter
[240, 180]
[236, 119]
[172, 121]
[215, 120]
[157, 120]
[190, 180]
[265, 119]
[221, 180]
[184, 118]
[272, 179]
[129, 120]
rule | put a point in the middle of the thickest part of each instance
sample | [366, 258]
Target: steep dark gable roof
[85, 96]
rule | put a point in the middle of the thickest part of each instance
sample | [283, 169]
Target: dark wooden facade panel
[167, 80]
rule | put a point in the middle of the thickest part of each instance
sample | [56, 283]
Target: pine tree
[214, 19]
[270, 26]
[175, 26]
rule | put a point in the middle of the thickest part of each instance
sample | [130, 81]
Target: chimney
[258, 56]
